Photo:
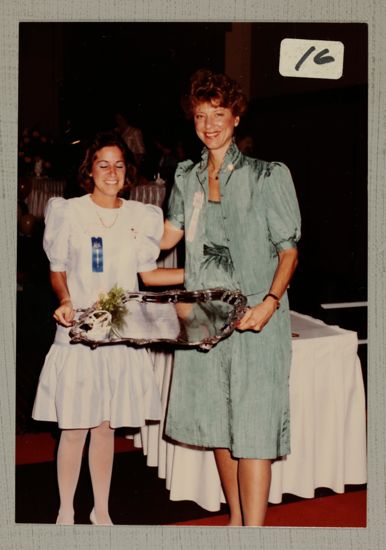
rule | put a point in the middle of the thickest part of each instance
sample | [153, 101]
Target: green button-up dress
[236, 395]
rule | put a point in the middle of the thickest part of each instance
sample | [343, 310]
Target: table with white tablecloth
[328, 424]
[42, 189]
[149, 193]
[150, 437]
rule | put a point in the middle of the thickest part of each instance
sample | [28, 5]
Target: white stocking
[100, 458]
[68, 467]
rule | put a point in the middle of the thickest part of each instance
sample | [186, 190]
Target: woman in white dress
[94, 242]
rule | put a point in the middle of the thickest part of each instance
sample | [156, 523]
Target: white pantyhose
[69, 460]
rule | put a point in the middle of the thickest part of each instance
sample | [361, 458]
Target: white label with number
[311, 58]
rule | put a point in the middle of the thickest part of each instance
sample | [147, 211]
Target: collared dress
[81, 387]
[236, 395]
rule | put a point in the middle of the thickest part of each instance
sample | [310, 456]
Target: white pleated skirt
[81, 388]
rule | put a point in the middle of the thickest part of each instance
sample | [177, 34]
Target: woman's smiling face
[108, 171]
[215, 125]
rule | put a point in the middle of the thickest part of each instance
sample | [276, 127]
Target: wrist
[272, 297]
[65, 301]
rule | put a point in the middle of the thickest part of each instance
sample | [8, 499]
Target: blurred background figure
[132, 136]
[166, 163]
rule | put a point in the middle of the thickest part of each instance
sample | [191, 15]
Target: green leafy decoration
[113, 303]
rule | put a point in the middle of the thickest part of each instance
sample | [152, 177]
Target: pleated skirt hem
[81, 388]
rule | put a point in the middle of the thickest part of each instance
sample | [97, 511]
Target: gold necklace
[101, 219]
[103, 223]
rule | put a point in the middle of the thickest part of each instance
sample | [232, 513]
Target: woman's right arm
[56, 246]
[171, 236]
[64, 314]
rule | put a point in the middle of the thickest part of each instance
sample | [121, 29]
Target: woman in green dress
[240, 220]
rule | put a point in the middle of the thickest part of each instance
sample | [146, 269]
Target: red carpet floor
[33, 448]
[343, 510]
[347, 510]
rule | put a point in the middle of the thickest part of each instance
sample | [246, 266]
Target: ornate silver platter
[186, 319]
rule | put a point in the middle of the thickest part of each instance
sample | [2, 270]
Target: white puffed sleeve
[56, 233]
[150, 235]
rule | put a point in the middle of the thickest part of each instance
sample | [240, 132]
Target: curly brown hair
[101, 140]
[216, 88]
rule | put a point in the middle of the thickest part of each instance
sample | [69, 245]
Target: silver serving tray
[199, 318]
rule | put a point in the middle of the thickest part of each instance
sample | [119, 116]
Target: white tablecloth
[150, 437]
[42, 189]
[328, 425]
[149, 193]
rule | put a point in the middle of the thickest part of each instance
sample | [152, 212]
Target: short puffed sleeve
[282, 209]
[176, 214]
[151, 231]
[56, 233]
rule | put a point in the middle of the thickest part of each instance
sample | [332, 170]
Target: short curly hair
[217, 88]
[101, 140]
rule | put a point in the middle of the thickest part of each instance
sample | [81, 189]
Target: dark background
[74, 76]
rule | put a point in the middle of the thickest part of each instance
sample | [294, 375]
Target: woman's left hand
[257, 317]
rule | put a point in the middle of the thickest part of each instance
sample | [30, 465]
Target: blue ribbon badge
[97, 254]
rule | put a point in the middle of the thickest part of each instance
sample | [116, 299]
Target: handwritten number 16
[320, 58]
